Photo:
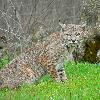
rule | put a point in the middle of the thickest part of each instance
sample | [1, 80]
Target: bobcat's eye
[67, 34]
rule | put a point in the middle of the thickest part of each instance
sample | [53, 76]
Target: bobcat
[44, 57]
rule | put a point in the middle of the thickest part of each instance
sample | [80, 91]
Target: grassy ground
[3, 61]
[83, 84]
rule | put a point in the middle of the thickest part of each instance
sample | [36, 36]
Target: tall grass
[83, 84]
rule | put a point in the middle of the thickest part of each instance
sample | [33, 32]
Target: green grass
[3, 61]
[83, 84]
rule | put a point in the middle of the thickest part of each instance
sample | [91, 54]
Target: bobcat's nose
[73, 41]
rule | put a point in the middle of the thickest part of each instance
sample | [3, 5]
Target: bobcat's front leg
[56, 71]
[60, 72]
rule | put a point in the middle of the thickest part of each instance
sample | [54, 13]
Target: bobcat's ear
[63, 25]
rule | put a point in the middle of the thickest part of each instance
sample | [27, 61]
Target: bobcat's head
[73, 38]
[73, 35]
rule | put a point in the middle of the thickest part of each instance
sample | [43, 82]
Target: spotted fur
[44, 57]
